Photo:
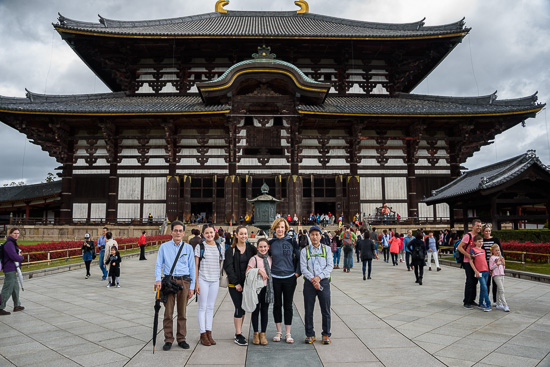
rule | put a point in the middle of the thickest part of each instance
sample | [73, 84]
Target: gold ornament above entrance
[220, 4]
[304, 6]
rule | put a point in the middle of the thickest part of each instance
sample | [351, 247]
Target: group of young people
[257, 276]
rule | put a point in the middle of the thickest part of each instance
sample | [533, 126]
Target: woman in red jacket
[395, 243]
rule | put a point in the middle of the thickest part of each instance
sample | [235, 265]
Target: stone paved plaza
[386, 321]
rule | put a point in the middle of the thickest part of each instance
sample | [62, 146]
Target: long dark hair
[236, 239]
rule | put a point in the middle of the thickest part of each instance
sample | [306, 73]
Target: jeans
[365, 263]
[348, 260]
[337, 256]
[470, 286]
[386, 251]
[102, 263]
[483, 293]
[408, 260]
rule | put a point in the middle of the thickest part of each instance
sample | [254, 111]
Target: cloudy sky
[507, 50]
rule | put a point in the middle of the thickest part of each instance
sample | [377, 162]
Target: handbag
[224, 280]
[93, 254]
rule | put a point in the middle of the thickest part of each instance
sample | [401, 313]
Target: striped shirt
[209, 269]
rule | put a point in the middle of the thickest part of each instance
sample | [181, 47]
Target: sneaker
[86, 277]
[506, 308]
[240, 339]
[109, 285]
[326, 339]
[348, 270]
[369, 278]
[103, 278]
[482, 307]
[499, 307]
[474, 303]
[488, 309]
[470, 307]
[310, 339]
[438, 269]
[118, 285]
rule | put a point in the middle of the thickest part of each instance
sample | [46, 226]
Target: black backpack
[416, 252]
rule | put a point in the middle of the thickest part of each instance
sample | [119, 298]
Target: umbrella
[19, 275]
[156, 320]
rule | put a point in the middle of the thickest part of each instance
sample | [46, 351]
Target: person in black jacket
[417, 247]
[235, 264]
[114, 267]
[367, 251]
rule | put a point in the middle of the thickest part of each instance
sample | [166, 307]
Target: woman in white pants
[431, 246]
[208, 259]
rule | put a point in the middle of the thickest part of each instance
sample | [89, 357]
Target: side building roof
[260, 24]
[30, 192]
[486, 177]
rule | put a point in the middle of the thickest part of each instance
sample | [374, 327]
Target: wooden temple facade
[206, 108]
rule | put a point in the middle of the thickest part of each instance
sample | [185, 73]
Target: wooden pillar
[172, 196]
[112, 200]
[232, 197]
[186, 183]
[339, 196]
[66, 211]
[295, 195]
[353, 197]
[248, 182]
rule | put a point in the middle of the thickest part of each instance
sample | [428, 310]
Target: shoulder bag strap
[176, 259]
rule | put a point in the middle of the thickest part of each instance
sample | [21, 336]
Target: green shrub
[523, 235]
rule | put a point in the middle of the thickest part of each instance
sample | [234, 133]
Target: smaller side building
[514, 190]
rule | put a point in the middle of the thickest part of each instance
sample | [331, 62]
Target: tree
[50, 178]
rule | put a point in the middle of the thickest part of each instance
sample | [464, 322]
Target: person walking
[431, 245]
[209, 257]
[464, 247]
[395, 243]
[386, 245]
[237, 258]
[316, 264]
[142, 242]
[367, 250]
[374, 238]
[406, 241]
[285, 269]
[88, 253]
[338, 244]
[183, 275]
[10, 262]
[417, 248]
[101, 242]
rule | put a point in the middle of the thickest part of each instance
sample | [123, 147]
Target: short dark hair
[477, 220]
[143, 232]
[195, 232]
[14, 229]
[418, 235]
[106, 228]
[366, 233]
[108, 235]
[177, 223]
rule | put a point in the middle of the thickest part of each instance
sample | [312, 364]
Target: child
[497, 264]
[481, 270]
[265, 297]
[114, 267]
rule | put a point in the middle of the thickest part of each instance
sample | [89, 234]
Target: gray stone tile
[399, 356]
[344, 351]
[101, 359]
[507, 360]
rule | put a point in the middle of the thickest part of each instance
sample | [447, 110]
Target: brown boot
[263, 339]
[256, 339]
[204, 340]
[209, 336]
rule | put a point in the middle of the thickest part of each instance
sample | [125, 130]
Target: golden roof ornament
[219, 6]
[304, 6]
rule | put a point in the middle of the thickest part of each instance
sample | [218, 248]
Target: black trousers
[88, 262]
[237, 298]
[394, 258]
[386, 251]
[283, 296]
[262, 309]
[142, 252]
[310, 293]
[418, 269]
[471, 284]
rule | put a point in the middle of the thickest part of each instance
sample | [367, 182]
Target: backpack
[309, 256]
[333, 245]
[459, 257]
[416, 252]
[1, 256]
[347, 239]
[303, 241]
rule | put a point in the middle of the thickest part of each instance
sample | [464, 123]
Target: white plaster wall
[80, 211]
[370, 188]
[129, 188]
[128, 211]
[98, 211]
[154, 188]
[396, 188]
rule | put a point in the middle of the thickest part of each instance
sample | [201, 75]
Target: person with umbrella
[183, 275]
[12, 255]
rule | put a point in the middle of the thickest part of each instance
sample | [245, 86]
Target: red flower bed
[539, 248]
[44, 247]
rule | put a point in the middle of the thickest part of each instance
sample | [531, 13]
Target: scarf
[269, 290]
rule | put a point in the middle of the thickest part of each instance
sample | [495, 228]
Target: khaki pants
[181, 298]
[10, 289]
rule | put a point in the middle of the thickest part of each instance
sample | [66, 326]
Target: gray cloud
[507, 50]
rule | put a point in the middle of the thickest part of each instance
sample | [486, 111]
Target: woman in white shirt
[208, 259]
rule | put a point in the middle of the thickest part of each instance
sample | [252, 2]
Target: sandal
[289, 338]
[277, 337]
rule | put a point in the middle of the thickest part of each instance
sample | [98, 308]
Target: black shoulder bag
[168, 285]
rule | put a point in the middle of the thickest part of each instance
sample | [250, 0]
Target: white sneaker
[118, 285]
[506, 308]
[109, 285]
[499, 307]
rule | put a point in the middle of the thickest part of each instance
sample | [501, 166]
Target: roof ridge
[37, 97]
[490, 99]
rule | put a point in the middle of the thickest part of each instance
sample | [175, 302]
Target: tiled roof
[260, 24]
[402, 104]
[27, 192]
[486, 177]
[108, 103]
[416, 104]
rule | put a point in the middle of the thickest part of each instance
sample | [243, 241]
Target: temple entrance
[202, 210]
[325, 207]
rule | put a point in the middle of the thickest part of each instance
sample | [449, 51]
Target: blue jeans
[483, 290]
[348, 260]
[365, 262]
[102, 263]
[337, 256]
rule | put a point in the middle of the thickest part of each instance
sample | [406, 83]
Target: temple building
[205, 109]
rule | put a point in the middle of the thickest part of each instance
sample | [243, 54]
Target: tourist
[88, 253]
[208, 260]
[417, 248]
[285, 269]
[263, 262]
[236, 261]
[114, 267]
[386, 245]
[110, 243]
[395, 243]
[338, 245]
[497, 265]
[101, 241]
[357, 238]
[367, 249]
[432, 251]
[316, 264]
[10, 262]
[142, 242]
[181, 254]
[488, 242]
[464, 247]
[348, 241]
[481, 269]
[374, 238]
[406, 241]
[252, 234]
[196, 238]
